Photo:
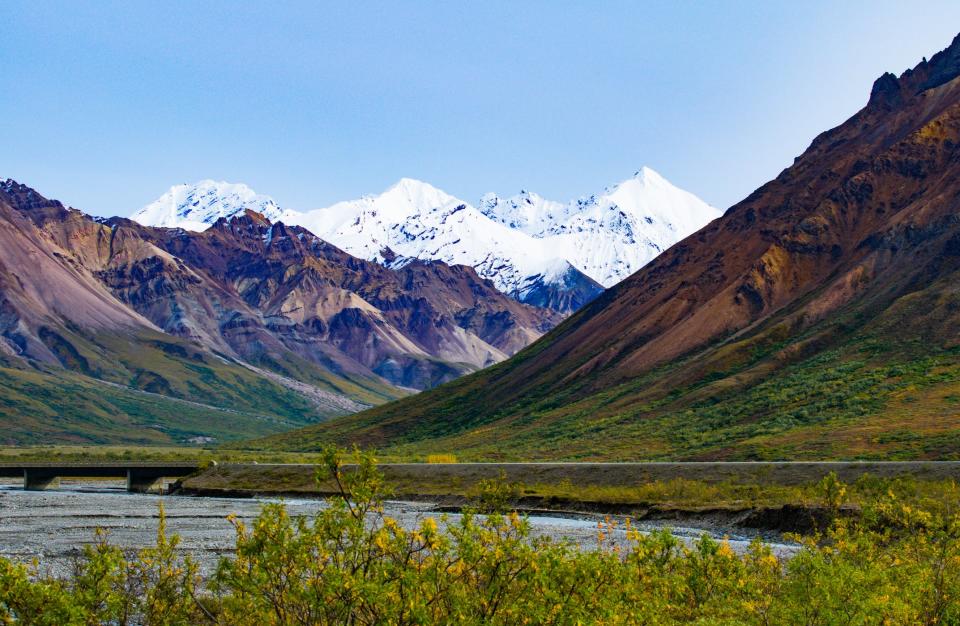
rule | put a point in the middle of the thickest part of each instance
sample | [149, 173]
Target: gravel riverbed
[52, 526]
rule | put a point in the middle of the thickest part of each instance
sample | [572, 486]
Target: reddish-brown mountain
[798, 324]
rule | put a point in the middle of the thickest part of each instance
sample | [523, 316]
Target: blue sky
[105, 105]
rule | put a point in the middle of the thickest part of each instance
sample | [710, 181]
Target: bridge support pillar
[39, 479]
[139, 481]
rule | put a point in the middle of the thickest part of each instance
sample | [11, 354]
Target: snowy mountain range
[539, 251]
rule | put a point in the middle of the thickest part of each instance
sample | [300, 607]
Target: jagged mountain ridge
[399, 323]
[537, 251]
[818, 318]
[271, 299]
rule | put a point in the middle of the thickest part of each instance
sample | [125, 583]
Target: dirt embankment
[607, 488]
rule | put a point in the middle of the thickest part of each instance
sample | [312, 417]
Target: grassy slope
[853, 387]
[155, 389]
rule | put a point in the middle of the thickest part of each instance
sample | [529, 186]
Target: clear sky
[105, 105]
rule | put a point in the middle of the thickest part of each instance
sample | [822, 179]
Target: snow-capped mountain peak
[198, 206]
[416, 191]
[409, 196]
[413, 219]
[648, 173]
[650, 197]
[610, 235]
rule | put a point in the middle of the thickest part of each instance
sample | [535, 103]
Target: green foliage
[351, 564]
[207, 457]
[33, 410]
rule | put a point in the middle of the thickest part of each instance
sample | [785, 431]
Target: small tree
[496, 495]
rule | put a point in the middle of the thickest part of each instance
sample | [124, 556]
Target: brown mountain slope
[810, 309]
[66, 290]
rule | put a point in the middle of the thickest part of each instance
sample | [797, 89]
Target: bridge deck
[110, 469]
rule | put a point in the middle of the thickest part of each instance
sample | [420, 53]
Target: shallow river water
[51, 526]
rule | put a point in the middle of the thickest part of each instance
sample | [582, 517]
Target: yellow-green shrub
[441, 458]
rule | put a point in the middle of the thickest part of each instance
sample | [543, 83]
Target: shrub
[441, 458]
[496, 495]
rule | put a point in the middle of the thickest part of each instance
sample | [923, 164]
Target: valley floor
[765, 496]
[678, 553]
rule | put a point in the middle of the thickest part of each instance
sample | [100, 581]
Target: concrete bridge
[141, 477]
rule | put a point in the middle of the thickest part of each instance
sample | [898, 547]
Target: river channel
[51, 526]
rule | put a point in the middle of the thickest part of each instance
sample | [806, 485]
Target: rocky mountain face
[540, 252]
[416, 326]
[794, 326]
[273, 301]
